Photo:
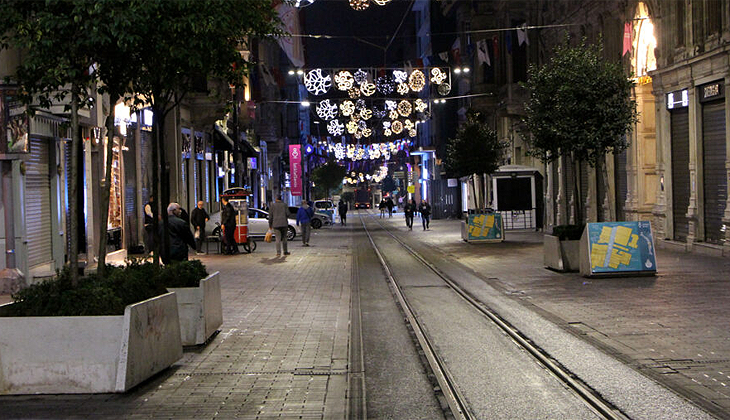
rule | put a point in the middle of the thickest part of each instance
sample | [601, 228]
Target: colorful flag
[292, 45]
[627, 37]
[522, 35]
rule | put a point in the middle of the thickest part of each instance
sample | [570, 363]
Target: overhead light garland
[367, 88]
[360, 76]
[317, 83]
[359, 5]
[335, 128]
[344, 80]
[417, 80]
[347, 108]
[326, 110]
[372, 151]
[405, 108]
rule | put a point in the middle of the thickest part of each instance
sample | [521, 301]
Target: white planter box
[200, 309]
[561, 255]
[89, 354]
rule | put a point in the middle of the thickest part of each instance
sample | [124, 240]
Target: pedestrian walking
[149, 237]
[390, 205]
[198, 218]
[228, 220]
[180, 236]
[304, 216]
[342, 209]
[278, 222]
[425, 210]
[382, 206]
[409, 209]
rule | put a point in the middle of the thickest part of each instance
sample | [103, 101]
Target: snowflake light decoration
[380, 113]
[367, 88]
[420, 105]
[317, 83]
[393, 115]
[354, 93]
[359, 5]
[444, 89]
[397, 127]
[400, 76]
[360, 104]
[390, 105]
[347, 108]
[344, 80]
[417, 80]
[326, 110]
[387, 132]
[385, 85]
[403, 88]
[367, 132]
[366, 114]
[404, 108]
[362, 125]
[374, 154]
[412, 132]
[339, 150]
[408, 124]
[386, 125]
[437, 76]
[335, 128]
[352, 127]
[360, 76]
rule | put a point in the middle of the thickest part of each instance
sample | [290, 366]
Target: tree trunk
[106, 188]
[73, 229]
[474, 190]
[155, 190]
[604, 172]
[159, 123]
[576, 192]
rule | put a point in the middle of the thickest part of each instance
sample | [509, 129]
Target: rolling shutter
[680, 172]
[38, 203]
[713, 169]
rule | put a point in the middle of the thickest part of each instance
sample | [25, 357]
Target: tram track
[451, 392]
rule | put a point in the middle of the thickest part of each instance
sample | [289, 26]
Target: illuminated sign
[678, 99]
[712, 91]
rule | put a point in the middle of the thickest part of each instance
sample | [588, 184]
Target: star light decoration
[404, 108]
[335, 128]
[317, 83]
[347, 108]
[417, 80]
[437, 76]
[345, 81]
[360, 76]
[359, 5]
[326, 110]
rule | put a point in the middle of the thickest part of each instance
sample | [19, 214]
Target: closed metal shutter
[622, 184]
[680, 172]
[145, 143]
[38, 203]
[196, 190]
[713, 169]
[130, 191]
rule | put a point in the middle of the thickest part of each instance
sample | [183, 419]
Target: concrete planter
[89, 354]
[561, 255]
[200, 309]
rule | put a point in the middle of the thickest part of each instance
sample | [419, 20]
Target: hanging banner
[295, 169]
[292, 45]
[13, 123]
[618, 248]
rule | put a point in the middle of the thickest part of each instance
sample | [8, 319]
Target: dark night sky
[336, 17]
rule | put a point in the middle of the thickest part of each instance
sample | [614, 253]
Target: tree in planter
[475, 150]
[388, 185]
[579, 107]
[185, 43]
[57, 38]
[328, 177]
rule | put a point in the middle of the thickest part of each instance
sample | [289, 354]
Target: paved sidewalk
[672, 327]
[282, 351]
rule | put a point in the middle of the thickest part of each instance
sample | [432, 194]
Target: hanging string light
[437, 76]
[404, 108]
[347, 108]
[393, 115]
[317, 83]
[400, 76]
[351, 127]
[390, 105]
[354, 93]
[385, 85]
[367, 88]
[335, 128]
[444, 89]
[360, 76]
[403, 88]
[345, 81]
[366, 114]
[397, 127]
[326, 110]
[417, 80]
[359, 5]
[420, 105]
[379, 2]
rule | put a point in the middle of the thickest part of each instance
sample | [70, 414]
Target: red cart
[238, 197]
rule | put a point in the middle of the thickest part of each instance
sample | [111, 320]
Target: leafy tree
[348, 196]
[56, 38]
[579, 107]
[475, 150]
[328, 176]
[184, 43]
[388, 184]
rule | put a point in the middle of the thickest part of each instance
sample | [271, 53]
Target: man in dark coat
[228, 220]
[425, 210]
[149, 237]
[390, 205]
[409, 209]
[198, 218]
[342, 209]
[180, 236]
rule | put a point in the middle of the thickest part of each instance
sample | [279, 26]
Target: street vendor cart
[238, 197]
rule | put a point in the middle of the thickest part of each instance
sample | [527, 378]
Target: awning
[224, 142]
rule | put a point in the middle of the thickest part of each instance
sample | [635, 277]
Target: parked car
[317, 222]
[258, 224]
[326, 207]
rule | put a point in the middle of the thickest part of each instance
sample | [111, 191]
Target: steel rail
[583, 391]
[451, 393]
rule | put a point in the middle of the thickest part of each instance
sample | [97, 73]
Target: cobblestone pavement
[672, 327]
[282, 351]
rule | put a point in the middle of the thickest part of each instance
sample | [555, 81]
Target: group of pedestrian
[386, 205]
[178, 227]
[410, 209]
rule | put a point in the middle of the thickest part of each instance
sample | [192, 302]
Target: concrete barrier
[200, 309]
[89, 354]
[561, 255]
